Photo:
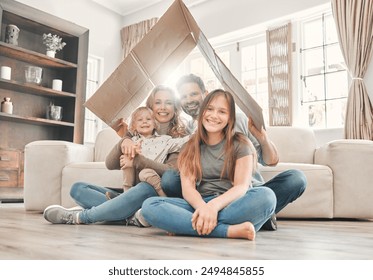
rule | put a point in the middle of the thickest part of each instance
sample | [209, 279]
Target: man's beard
[192, 108]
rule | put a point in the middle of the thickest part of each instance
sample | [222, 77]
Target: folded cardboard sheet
[154, 58]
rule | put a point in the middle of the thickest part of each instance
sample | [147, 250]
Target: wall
[217, 17]
[103, 25]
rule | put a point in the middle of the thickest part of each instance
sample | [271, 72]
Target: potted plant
[53, 43]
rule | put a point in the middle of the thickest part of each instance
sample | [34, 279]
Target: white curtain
[279, 75]
[354, 22]
[132, 34]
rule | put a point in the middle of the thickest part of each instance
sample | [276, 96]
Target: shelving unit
[30, 101]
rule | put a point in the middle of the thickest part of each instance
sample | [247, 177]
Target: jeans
[287, 186]
[99, 209]
[175, 214]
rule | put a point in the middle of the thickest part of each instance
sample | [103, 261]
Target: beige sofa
[338, 172]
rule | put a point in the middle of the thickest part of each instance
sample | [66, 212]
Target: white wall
[217, 17]
[104, 26]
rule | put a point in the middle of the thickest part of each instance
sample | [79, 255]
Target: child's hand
[130, 148]
[125, 162]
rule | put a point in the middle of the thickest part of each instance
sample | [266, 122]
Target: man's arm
[269, 154]
[266, 150]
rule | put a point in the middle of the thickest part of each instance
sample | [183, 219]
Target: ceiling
[126, 7]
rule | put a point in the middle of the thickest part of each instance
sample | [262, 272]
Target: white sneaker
[56, 214]
[137, 220]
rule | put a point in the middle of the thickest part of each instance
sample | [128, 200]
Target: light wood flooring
[26, 236]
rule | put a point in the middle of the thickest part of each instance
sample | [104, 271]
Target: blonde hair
[189, 161]
[177, 126]
[135, 114]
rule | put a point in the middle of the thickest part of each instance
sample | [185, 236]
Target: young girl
[214, 164]
[152, 145]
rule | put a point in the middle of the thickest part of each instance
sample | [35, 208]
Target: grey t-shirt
[241, 125]
[213, 162]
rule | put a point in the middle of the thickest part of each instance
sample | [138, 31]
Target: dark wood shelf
[33, 120]
[29, 122]
[35, 58]
[33, 89]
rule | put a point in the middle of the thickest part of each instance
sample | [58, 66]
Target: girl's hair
[176, 126]
[134, 115]
[189, 161]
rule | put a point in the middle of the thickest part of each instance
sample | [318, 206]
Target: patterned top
[157, 147]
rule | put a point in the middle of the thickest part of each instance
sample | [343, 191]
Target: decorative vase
[54, 112]
[11, 34]
[51, 53]
[33, 74]
[7, 106]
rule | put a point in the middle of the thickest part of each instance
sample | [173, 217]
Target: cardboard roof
[152, 60]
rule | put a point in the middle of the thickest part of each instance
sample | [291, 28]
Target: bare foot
[245, 230]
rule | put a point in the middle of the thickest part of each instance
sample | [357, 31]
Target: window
[324, 77]
[319, 96]
[254, 74]
[200, 67]
[92, 124]
[248, 62]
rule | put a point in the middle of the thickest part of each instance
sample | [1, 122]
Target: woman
[97, 208]
[218, 200]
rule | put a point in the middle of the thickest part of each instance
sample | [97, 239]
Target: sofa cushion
[44, 161]
[105, 141]
[317, 200]
[294, 144]
[90, 172]
[352, 163]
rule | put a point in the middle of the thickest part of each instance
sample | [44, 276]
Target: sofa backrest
[105, 141]
[294, 144]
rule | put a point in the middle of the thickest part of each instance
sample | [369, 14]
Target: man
[287, 186]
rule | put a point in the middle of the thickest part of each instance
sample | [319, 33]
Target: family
[201, 174]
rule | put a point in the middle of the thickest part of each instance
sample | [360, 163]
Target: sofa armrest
[352, 164]
[44, 162]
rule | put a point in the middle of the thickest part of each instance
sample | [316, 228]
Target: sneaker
[137, 220]
[57, 214]
[271, 224]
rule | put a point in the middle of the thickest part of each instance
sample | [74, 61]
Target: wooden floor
[26, 235]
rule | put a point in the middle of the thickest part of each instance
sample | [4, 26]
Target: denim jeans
[175, 214]
[287, 186]
[99, 209]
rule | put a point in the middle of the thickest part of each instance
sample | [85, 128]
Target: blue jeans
[175, 214]
[99, 209]
[287, 186]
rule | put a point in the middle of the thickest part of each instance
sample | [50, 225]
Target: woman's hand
[204, 219]
[130, 148]
[120, 127]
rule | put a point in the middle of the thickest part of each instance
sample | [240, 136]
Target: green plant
[53, 42]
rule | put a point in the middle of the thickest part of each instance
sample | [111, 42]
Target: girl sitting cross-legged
[218, 200]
